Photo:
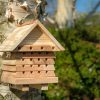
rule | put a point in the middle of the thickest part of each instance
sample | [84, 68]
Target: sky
[86, 5]
[82, 5]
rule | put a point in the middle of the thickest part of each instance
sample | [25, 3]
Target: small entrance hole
[46, 59]
[23, 66]
[41, 48]
[23, 72]
[38, 71]
[31, 72]
[22, 59]
[30, 48]
[46, 71]
[46, 65]
[30, 59]
[38, 59]
[53, 48]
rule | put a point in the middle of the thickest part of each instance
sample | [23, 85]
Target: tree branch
[93, 11]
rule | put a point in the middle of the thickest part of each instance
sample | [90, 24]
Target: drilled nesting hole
[30, 48]
[46, 72]
[22, 59]
[23, 66]
[42, 48]
[39, 72]
[31, 59]
[46, 59]
[31, 72]
[53, 48]
[38, 59]
[23, 72]
[46, 65]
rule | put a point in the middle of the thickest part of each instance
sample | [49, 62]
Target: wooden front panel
[37, 37]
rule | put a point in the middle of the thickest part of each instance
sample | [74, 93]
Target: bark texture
[66, 13]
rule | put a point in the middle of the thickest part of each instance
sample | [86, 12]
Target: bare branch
[93, 11]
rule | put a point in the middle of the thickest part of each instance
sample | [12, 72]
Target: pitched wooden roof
[20, 33]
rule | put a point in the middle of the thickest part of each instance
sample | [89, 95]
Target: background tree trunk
[66, 13]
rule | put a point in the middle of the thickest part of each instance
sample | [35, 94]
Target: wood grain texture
[23, 81]
[20, 68]
[30, 61]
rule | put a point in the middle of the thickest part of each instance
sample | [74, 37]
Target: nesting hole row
[31, 72]
[32, 65]
[42, 48]
[31, 59]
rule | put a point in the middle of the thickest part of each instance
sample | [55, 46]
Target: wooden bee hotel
[28, 59]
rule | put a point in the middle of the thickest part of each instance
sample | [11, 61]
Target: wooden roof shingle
[20, 33]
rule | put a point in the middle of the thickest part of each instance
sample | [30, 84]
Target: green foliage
[78, 67]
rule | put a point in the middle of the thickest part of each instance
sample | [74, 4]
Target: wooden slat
[29, 74]
[9, 68]
[29, 61]
[36, 61]
[36, 68]
[33, 74]
[36, 48]
[19, 81]
[9, 62]
[28, 68]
